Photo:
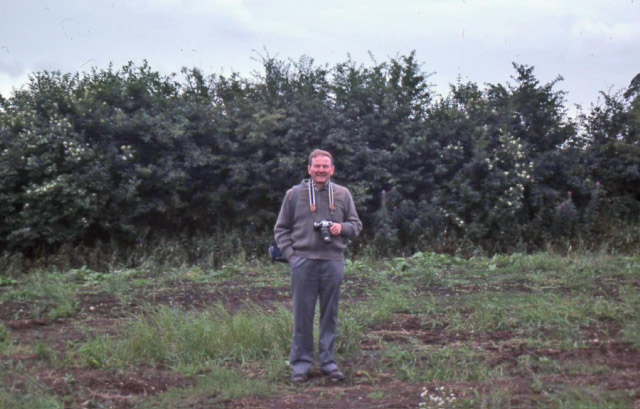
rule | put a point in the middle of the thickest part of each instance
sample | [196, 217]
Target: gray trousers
[312, 280]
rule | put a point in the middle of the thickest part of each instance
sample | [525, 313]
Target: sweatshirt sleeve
[351, 226]
[284, 226]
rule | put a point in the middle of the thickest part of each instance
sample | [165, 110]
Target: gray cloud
[592, 44]
[12, 69]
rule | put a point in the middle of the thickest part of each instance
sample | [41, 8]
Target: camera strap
[312, 195]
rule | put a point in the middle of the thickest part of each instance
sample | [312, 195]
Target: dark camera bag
[275, 253]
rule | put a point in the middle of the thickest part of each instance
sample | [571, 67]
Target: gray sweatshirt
[298, 236]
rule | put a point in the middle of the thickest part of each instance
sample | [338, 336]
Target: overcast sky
[593, 44]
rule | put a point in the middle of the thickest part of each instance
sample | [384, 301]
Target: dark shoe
[299, 378]
[334, 375]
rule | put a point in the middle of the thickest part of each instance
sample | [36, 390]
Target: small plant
[429, 268]
[97, 352]
[63, 310]
[5, 338]
[631, 333]
[86, 277]
[354, 266]
[44, 351]
[7, 281]
[51, 295]
[377, 395]
[118, 284]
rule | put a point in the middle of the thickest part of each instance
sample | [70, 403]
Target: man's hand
[335, 229]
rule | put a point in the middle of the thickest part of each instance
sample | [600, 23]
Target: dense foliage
[127, 155]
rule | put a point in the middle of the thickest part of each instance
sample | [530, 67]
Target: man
[317, 265]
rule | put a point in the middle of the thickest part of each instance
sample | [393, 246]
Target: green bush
[129, 157]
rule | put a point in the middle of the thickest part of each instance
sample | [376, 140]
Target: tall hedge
[126, 155]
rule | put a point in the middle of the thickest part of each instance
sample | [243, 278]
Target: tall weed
[181, 338]
[50, 295]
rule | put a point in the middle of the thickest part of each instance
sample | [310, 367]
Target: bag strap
[294, 200]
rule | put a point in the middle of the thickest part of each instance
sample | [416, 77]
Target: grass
[468, 325]
[182, 339]
[630, 333]
[589, 397]
[33, 399]
[25, 392]
[44, 352]
[49, 295]
[526, 313]
[215, 388]
[448, 363]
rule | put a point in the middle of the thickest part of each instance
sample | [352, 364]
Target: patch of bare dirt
[14, 310]
[405, 326]
[615, 355]
[115, 389]
[329, 395]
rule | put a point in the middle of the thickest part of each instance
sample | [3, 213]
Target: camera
[323, 227]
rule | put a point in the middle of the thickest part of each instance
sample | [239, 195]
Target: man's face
[320, 170]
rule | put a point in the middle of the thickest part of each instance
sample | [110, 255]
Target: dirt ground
[102, 312]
